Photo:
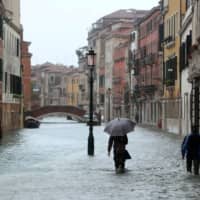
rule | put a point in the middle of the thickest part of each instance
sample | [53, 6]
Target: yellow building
[72, 81]
[173, 11]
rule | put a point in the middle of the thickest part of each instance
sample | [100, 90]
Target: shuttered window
[6, 81]
[188, 47]
[182, 57]
[1, 27]
[15, 85]
[1, 69]
[171, 71]
[161, 36]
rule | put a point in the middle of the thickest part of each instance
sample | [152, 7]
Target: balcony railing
[142, 62]
[150, 59]
[170, 83]
[136, 62]
[148, 88]
[169, 41]
[164, 6]
[116, 80]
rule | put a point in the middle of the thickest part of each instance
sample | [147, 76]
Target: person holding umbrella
[117, 129]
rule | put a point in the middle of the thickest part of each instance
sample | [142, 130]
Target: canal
[51, 163]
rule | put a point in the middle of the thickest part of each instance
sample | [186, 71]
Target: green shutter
[1, 69]
[1, 27]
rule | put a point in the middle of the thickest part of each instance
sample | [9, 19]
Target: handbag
[126, 155]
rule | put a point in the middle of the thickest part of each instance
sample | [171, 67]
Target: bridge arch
[69, 110]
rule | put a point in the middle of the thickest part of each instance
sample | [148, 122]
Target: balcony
[169, 41]
[170, 83]
[150, 59]
[136, 62]
[136, 71]
[142, 62]
[164, 6]
[82, 87]
[136, 90]
[116, 80]
[148, 88]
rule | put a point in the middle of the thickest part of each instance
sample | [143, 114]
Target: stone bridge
[69, 110]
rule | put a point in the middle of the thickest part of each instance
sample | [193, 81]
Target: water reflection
[57, 120]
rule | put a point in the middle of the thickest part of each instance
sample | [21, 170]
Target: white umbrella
[119, 127]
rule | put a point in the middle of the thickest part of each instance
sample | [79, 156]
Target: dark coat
[191, 146]
[118, 142]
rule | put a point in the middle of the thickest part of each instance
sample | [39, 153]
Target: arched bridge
[69, 110]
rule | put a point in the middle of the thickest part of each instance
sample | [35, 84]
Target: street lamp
[108, 94]
[91, 64]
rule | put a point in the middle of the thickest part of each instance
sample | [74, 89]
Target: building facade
[72, 85]
[54, 88]
[12, 101]
[194, 66]
[185, 57]
[148, 69]
[120, 98]
[26, 72]
[83, 100]
[105, 35]
[49, 85]
[172, 17]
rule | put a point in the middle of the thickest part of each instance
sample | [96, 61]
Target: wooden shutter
[1, 69]
[1, 27]
[182, 57]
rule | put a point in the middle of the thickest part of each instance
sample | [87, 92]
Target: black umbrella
[119, 127]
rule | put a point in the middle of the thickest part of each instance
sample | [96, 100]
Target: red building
[26, 63]
[1, 77]
[149, 67]
[119, 78]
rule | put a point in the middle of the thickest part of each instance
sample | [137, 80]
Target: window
[102, 98]
[149, 26]
[1, 69]
[1, 27]
[133, 37]
[176, 22]
[188, 3]
[18, 46]
[15, 84]
[171, 28]
[171, 71]
[52, 79]
[5, 81]
[101, 81]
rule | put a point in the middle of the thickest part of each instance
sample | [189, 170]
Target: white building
[194, 66]
[186, 42]
[11, 71]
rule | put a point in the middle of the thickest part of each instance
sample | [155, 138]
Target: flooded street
[51, 163]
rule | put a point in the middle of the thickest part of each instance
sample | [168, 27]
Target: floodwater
[51, 163]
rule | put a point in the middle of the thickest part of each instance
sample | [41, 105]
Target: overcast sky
[57, 28]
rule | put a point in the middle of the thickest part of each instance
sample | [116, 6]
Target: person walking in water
[191, 148]
[118, 143]
[137, 117]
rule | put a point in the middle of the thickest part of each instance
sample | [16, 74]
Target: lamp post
[108, 94]
[91, 64]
